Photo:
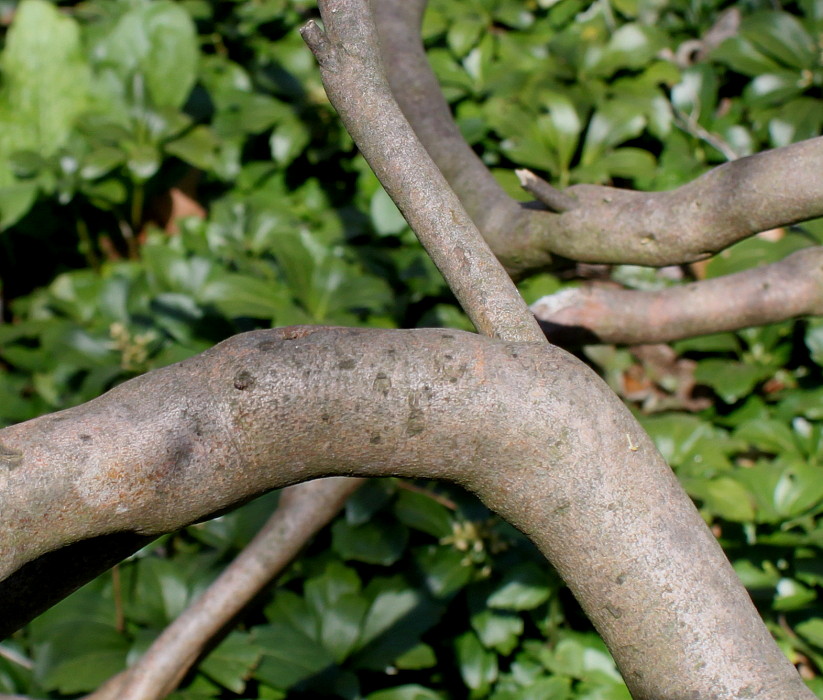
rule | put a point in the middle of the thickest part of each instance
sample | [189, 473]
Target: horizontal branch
[605, 225]
[537, 435]
[602, 313]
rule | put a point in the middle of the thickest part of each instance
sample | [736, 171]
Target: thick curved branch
[303, 510]
[353, 71]
[271, 408]
[608, 225]
[603, 313]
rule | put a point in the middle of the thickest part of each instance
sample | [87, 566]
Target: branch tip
[556, 200]
[315, 38]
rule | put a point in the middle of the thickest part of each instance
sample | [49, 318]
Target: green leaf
[15, 201]
[232, 662]
[562, 128]
[398, 616]
[465, 33]
[814, 339]
[478, 667]
[391, 602]
[793, 595]
[615, 122]
[288, 655]
[740, 55]
[198, 147]
[444, 569]
[416, 658]
[811, 630]
[372, 542]
[796, 120]
[769, 436]
[724, 497]
[154, 43]
[77, 658]
[524, 587]
[239, 295]
[731, 380]
[368, 500]
[781, 36]
[385, 216]
[46, 83]
[632, 45]
[406, 692]
[143, 161]
[498, 631]
[422, 512]
[288, 140]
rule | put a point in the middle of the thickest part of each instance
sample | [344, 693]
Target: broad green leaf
[398, 616]
[632, 45]
[814, 339]
[391, 603]
[198, 147]
[45, 88]
[445, 570]
[811, 630]
[772, 89]
[799, 488]
[464, 34]
[731, 380]
[793, 595]
[385, 216]
[154, 44]
[288, 655]
[340, 625]
[724, 497]
[478, 667]
[797, 120]
[368, 500]
[372, 542]
[422, 512]
[756, 575]
[288, 140]
[611, 125]
[406, 692]
[232, 662]
[781, 36]
[239, 295]
[498, 631]
[524, 587]
[740, 55]
[562, 128]
[15, 200]
[421, 656]
[678, 436]
[82, 674]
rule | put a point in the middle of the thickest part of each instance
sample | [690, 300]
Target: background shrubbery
[118, 116]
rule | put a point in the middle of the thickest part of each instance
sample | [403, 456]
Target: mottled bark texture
[512, 422]
[608, 314]
[355, 81]
[608, 225]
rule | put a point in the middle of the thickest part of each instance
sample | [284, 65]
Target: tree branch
[270, 408]
[598, 313]
[609, 225]
[483, 287]
[303, 510]
[355, 81]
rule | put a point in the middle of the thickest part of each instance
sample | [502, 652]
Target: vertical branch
[351, 67]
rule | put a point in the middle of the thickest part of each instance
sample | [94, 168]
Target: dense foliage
[117, 116]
